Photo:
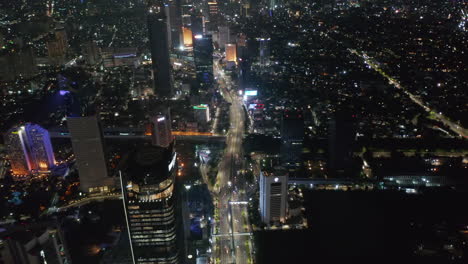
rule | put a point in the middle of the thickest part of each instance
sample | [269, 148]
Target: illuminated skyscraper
[158, 41]
[88, 147]
[187, 37]
[162, 130]
[148, 186]
[273, 195]
[29, 149]
[231, 52]
[203, 55]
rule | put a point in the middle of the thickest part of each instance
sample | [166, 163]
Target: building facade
[32, 246]
[273, 195]
[161, 135]
[174, 23]
[148, 184]
[159, 47]
[203, 55]
[202, 113]
[292, 137]
[231, 52]
[29, 149]
[88, 147]
[341, 136]
[57, 47]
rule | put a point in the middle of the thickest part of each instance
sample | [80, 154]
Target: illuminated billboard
[251, 92]
[200, 106]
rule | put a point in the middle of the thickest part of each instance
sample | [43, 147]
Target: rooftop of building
[147, 163]
[275, 171]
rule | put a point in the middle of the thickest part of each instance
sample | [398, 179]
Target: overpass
[138, 133]
[84, 201]
[331, 181]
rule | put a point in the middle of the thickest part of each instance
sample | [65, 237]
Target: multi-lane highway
[232, 240]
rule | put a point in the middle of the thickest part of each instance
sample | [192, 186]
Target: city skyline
[222, 132]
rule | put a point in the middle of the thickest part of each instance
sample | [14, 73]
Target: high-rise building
[341, 135]
[92, 52]
[21, 63]
[202, 113]
[264, 56]
[88, 147]
[187, 37]
[292, 137]
[159, 48]
[33, 245]
[174, 23]
[203, 55]
[197, 24]
[213, 9]
[162, 130]
[273, 195]
[148, 186]
[231, 52]
[57, 47]
[224, 36]
[29, 149]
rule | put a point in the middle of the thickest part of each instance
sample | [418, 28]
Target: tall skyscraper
[187, 37]
[158, 41]
[197, 24]
[174, 23]
[148, 186]
[29, 149]
[264, 56]
[273, 195]
[231, 52]
[203, 55]
[341, 135]
[224, 36]
[292, 137]
[88, 147]
[162, 130]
